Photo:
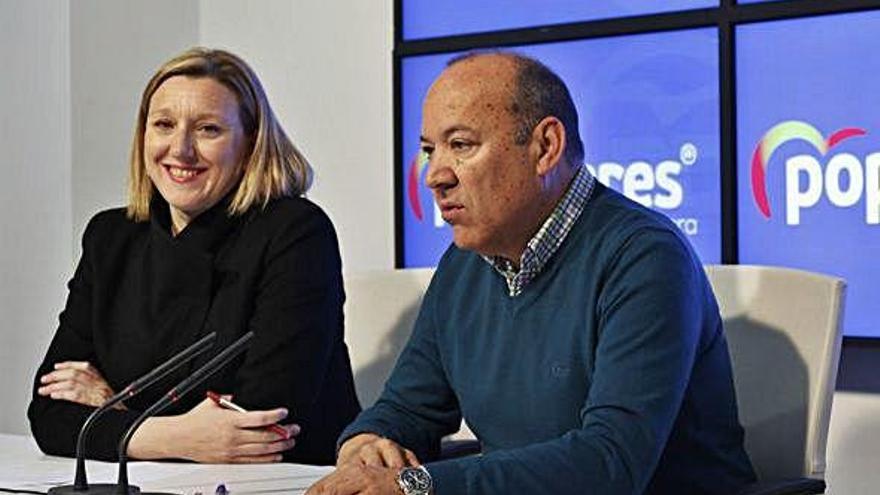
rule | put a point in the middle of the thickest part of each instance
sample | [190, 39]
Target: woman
[215, 238]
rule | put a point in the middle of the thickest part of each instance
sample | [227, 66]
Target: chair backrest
[783, 329]
[380, 309]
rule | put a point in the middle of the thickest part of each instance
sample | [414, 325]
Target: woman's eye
[163, 124]
[210, 129]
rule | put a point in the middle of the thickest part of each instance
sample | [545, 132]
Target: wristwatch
[415, 481]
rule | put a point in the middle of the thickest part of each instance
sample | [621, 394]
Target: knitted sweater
[608, 374]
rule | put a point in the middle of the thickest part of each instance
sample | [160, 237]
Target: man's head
[501, 134]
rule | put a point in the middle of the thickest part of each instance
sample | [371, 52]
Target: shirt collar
[546, 242]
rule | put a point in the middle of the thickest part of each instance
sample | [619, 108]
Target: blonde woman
[216, 237]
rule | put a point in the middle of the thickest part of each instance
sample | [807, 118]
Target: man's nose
[440, 174]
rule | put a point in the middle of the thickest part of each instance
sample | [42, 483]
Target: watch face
[415, 481]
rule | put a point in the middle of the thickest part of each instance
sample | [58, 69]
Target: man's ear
[548, 144]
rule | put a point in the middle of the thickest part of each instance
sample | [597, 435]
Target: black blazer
[140, 295]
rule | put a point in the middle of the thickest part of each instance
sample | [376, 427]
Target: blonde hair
[274, 167]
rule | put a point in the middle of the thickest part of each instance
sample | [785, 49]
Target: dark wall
[859, 366]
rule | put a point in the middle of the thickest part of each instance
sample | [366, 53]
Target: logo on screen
[845, 181]
[416, 167]
[654, 185]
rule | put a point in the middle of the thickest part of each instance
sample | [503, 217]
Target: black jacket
[140, 295]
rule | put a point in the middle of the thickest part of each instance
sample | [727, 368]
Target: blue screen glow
[648, 107]
[809, 152]
[429, 18]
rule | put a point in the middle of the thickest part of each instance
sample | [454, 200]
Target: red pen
[228, 404]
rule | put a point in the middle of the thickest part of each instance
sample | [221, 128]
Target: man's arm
[417, 407]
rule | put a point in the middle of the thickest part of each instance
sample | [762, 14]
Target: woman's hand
[75, 381]
[211, 434]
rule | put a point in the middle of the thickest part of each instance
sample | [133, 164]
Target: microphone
[80, 484]
[200, 375]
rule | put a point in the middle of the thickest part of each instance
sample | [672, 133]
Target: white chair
[380, 309]
[783, 327]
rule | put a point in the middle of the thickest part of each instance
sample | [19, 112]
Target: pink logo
[416, 167]
[780, 134]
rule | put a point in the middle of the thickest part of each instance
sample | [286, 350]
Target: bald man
[573, 329]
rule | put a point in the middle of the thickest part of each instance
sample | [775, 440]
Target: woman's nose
[182, 146]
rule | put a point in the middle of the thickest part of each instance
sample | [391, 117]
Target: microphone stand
[173, 395]
[80, 484]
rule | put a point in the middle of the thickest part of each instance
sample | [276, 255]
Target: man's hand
[209, 433]
[368, 449]
[75, 381]
[354, 478]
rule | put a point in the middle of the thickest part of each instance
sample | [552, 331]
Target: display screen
[809, 152]
[429, 18]
[649, 119]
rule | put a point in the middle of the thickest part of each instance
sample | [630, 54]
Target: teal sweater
[609, 374]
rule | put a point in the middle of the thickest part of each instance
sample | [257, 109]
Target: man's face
[485, 184]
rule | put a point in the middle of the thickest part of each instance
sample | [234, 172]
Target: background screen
[810, 101]
[430, 18]
[649, 111]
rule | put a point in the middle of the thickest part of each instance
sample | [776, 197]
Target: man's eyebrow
[447, 132]
[455, 129]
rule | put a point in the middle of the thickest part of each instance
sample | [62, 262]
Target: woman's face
[194, 145]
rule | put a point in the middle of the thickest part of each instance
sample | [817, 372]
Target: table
[24, 467]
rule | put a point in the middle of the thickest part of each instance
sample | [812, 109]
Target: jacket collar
[204, 233]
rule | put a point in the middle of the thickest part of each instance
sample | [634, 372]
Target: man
[574, 330]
